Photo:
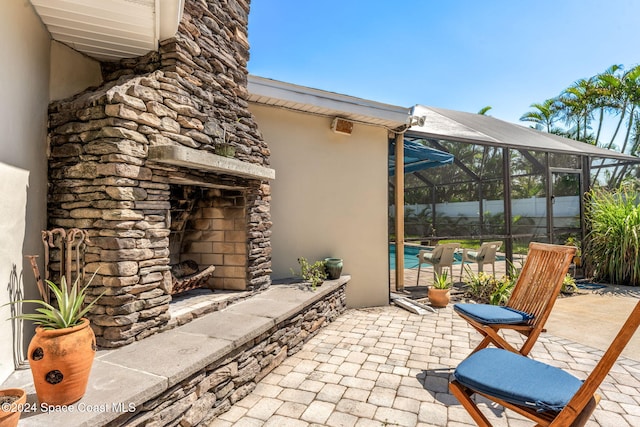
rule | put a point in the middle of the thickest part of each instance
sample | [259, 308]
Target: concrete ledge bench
[194, 372]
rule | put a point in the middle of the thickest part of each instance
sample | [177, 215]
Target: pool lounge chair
[530, 303]
[486, 254]
[441, 256]
[543, 393]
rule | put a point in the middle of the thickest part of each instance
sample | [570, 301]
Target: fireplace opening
[208, 239]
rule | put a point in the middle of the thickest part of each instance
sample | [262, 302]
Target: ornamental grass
[613, 241]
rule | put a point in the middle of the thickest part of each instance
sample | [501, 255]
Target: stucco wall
[24, 84]
[71, 72]
[329, 198]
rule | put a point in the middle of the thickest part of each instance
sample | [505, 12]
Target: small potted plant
[438, 293]
[61, 352]
[12, 401]
[313, 273]
[569, 285]
[333, 267]
[577, 258]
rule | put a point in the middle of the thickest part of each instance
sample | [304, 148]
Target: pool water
[410, 256]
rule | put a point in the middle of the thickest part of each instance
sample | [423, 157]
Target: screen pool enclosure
[474, 178]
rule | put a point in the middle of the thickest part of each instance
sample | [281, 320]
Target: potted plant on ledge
[61, 352]
[313, 273]
[11, 402]
[438, 294]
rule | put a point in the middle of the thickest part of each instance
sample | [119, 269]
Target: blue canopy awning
[418, 157]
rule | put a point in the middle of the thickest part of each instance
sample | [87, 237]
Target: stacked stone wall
[191, 93]
[200, 398]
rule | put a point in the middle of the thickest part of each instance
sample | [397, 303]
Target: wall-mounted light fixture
[342, 126]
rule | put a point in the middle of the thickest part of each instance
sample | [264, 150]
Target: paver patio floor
[385, 367]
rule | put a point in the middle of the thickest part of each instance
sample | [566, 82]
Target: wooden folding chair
[543, 393]
[531, 301]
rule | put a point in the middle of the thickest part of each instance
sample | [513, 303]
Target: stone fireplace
[137, 163]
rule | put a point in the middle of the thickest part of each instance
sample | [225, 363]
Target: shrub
[486, 289]
[613, 242]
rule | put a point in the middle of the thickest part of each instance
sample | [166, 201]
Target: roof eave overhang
[303, 99]
[110, 30]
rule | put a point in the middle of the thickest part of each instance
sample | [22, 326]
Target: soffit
[330, 104]
[109, 30]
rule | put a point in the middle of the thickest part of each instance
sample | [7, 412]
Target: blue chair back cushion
[490, 314]
[517, 379]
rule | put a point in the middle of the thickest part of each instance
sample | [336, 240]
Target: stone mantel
[205, 161]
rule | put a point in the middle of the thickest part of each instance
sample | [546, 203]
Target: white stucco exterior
[24, 84]
[71, 72]
[329, 198]
[33, 70]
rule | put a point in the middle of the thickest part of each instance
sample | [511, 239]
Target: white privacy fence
[566, 209]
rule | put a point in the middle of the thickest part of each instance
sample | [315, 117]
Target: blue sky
[456, 54]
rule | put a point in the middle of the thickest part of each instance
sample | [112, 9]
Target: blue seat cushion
[517, 379]
[493, 314]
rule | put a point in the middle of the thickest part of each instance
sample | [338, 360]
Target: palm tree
[608, 90]
[543, 115]
[625, 96]
[577, 104]
[632, 95]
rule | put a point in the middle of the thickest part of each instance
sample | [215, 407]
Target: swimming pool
[410, 256]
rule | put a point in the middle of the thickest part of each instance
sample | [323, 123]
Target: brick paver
[388, 367]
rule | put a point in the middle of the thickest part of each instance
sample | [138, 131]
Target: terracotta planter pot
[10, 411]
[60, 361]
[439, 297]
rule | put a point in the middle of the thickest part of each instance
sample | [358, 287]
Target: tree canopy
[582, 109]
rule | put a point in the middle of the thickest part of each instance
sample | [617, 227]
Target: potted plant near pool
[577, 258]
[438, 294]
[61, 352]
[11, 402]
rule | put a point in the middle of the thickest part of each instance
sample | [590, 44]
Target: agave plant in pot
[438, 294]
[61, 352]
